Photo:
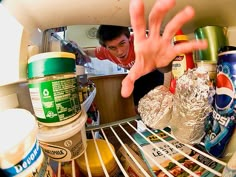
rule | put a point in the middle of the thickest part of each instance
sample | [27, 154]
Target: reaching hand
[155, 51]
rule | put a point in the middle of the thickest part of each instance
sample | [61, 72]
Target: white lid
[15, 125]
[58, 133]
[48, 55]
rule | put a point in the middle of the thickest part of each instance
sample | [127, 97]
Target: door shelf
[87, 103]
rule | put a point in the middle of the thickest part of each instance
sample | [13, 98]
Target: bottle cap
[179, 32]
[179, 36]
[89, 120]
[50, 63]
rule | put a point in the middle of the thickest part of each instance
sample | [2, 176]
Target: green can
[216, 37]
[53, 88]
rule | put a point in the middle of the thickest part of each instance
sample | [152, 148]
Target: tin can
[216, 37]
[53, 88]
[221, 122]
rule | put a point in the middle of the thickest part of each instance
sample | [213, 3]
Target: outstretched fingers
[190, 46]
[127, 86]
[138, 23]
[157, 14]
[177, 22]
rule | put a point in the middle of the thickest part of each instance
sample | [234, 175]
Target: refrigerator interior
[26, 22]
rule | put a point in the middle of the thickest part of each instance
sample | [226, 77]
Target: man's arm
[166, 69]
[89, 51]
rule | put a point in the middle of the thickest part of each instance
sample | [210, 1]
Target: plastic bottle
[182, 62]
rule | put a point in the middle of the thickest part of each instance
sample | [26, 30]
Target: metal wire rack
[114, 133]
[120, 133]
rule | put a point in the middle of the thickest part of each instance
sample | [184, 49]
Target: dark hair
[110, 32]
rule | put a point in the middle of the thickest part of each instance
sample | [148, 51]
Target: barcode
[36, 102]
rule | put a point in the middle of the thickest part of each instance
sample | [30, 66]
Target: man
[151, 51]
[117, 45]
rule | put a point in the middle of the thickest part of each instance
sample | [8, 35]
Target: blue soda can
[221, 122]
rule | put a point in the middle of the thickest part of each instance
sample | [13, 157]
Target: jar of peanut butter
[53, 88]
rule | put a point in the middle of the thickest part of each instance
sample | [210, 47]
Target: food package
[155, 107]
[192, 104]
[129, 165]
[230, 169]
[159, 151]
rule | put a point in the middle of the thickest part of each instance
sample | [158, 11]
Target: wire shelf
[120, 133]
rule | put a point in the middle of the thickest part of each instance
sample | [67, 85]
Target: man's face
[119, 47]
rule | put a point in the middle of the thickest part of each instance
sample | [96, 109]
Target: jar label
[179, 66]
[65, 150]
[26, 162]
[55, 101]
[32, 165]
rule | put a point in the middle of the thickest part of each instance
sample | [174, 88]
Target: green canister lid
[51, 63]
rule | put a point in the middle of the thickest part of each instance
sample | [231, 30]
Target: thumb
[127, 86]
[128, 82]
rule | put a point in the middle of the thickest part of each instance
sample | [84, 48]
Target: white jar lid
[15, 126]
[58, 133]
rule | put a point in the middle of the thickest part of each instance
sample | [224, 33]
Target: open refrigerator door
[151, 152]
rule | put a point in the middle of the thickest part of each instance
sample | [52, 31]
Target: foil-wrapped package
[155, 107]
[192, 103]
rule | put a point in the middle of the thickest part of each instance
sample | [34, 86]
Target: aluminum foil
[155, 107]
[192, 103]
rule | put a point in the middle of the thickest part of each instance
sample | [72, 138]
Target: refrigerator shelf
[120, 133]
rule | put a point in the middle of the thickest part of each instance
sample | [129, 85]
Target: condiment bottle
[182, 62]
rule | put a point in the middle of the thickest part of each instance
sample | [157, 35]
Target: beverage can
[221, 123]
[216, 37]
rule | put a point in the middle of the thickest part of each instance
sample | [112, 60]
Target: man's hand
[155, 51]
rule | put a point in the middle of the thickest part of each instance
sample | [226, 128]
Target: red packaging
[182, 62]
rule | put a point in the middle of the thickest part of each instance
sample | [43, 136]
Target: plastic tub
[93, 159]
[20, 153]
[64, 143]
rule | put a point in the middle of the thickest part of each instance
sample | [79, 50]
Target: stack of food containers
[54, 94]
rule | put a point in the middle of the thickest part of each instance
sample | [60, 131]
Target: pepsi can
[222, 118]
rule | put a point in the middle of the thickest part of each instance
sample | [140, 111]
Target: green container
[216, 37]
[53, 88]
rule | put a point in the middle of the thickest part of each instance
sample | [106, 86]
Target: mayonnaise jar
[20, 153]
